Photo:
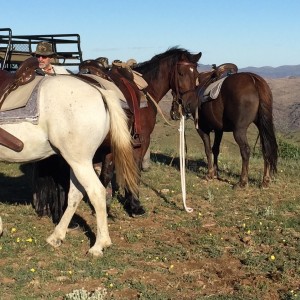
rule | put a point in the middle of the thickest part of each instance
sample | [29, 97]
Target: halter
[178, 95]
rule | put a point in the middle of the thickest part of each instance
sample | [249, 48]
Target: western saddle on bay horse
[123, 77]
[213, 79]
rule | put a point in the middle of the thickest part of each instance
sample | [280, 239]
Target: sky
[245, 32]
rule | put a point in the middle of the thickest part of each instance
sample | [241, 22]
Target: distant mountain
[266, 72]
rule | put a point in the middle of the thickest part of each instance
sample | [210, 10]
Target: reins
[181, 150]
[181, 129]
[182, 163]
[182, 143]
[149, 97]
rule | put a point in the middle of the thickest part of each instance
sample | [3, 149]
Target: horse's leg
[87, 178]
[240, 136]
[266, 177]
[146, 160]
[208, 151]
[107, 174]
[132, 204]
[216, 151]
[59, 234]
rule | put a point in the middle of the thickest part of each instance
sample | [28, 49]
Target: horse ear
[198, 56]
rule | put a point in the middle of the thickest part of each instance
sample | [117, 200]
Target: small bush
[288, 151]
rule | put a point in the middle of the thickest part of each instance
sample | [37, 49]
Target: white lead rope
[182, 164]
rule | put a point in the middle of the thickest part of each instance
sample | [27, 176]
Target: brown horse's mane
[152, 66]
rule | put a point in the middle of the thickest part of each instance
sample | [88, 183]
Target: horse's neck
[155, 94]
[157, 87]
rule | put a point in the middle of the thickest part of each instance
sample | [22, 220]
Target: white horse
[74, 119]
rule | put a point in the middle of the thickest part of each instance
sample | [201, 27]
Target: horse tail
[50, 186]
[127, 174]
[265, 122]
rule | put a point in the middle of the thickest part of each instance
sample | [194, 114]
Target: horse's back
[236, 105]
[71, 106]
[72, 115]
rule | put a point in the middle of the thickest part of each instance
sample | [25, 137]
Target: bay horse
[175, 69]
[244, 98]
[74, 119]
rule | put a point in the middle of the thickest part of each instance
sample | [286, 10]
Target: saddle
[8, 83]
[93, 67]
[225, 70]
[11, 81]
[210, 82]
[122, 76]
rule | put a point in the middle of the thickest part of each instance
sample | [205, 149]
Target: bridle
[179, 94]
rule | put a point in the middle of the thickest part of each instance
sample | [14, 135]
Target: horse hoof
[146, 169]
[209, 177]
[146, 166]
[54, 242]
[240, 186]
[265, 185]
[96, 252]
[138, 211]
[134, 208]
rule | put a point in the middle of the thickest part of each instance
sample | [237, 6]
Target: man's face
[44, 61]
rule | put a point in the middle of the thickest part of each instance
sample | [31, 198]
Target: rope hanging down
[181, 152]
[182, 164]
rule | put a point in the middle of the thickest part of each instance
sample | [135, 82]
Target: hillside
[266, 72]
[286, 103]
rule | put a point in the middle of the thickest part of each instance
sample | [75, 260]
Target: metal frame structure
[14, 49]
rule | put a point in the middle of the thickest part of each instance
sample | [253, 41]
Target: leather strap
[136, 112]
[10, 141]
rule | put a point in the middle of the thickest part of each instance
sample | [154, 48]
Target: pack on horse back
[122, 76]
[9, 82]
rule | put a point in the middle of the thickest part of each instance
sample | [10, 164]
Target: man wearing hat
[44, 53]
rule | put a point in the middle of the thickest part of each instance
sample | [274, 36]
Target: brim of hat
[43, 53]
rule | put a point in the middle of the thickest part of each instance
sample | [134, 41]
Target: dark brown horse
[175, 69]
[244, 98]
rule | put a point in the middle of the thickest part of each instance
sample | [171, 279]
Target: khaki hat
[44, 48]
[103, 61]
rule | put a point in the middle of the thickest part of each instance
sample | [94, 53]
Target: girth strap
[10, 141]
[135, 102]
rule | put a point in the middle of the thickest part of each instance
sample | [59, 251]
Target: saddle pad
[109, 85]
[213, 90]
[28, 113]
[139, 80]
[19, 97]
